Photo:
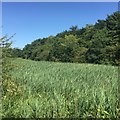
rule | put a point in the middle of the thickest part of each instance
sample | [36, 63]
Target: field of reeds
[61, 90]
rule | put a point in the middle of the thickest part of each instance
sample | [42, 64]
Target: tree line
[97, 44]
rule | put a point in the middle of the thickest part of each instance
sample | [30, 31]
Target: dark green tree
[97, 44]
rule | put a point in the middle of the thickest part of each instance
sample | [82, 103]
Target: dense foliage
[9, 90]
[5, 63]
[98, 44]
[63, 90]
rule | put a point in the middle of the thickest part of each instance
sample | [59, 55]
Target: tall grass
[63, 90]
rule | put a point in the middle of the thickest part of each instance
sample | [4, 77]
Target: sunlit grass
[63, 90]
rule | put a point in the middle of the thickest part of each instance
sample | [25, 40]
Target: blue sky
[33, 20]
